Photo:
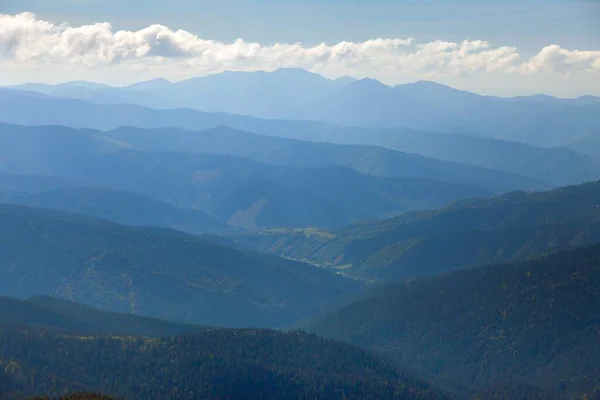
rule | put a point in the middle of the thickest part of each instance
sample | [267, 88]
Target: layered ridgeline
[239, 191]
[57, 314]
[298, 94]
[349, 151]
[437, 108]
[506, 228]
[553, 165]
[390, 152]
[263, 94]
[119, 206]
[59, 150]
[155, 272]
[534, 322]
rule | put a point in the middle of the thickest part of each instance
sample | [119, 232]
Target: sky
[491, 47]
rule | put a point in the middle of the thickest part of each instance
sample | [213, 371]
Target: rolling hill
[155, 272]
[506, 228]
[533, 322]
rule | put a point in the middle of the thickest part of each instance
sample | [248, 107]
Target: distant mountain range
[297, 94]
[261, 94]
[437, 108]
[553, 166]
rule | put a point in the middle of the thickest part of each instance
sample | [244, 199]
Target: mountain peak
[368, 83]
[83, 84]
[156, 83]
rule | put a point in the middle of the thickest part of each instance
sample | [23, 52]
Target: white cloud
[31, 46]
[553, 58]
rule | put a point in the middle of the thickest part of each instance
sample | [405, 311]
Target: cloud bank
[28, 43]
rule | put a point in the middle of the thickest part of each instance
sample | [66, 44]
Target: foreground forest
[214, 364]
[534, 322]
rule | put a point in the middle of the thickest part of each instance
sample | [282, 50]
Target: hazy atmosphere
[299, 200]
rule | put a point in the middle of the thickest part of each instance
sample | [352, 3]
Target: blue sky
[527, 25]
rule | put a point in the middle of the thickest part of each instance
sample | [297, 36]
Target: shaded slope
[505, 228]
[155, 272]
[67, 316]
[533, 322]
[214, 364]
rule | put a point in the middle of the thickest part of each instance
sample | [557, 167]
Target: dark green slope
[77, 396]
[534, 321]
[506, 228]
[216, 364]
[155, 272]
[68, 316]
[119, 206]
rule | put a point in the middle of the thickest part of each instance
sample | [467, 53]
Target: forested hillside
[155, 272]
[506, 228]
[76, 396]
[215, 364]
[533, 322]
